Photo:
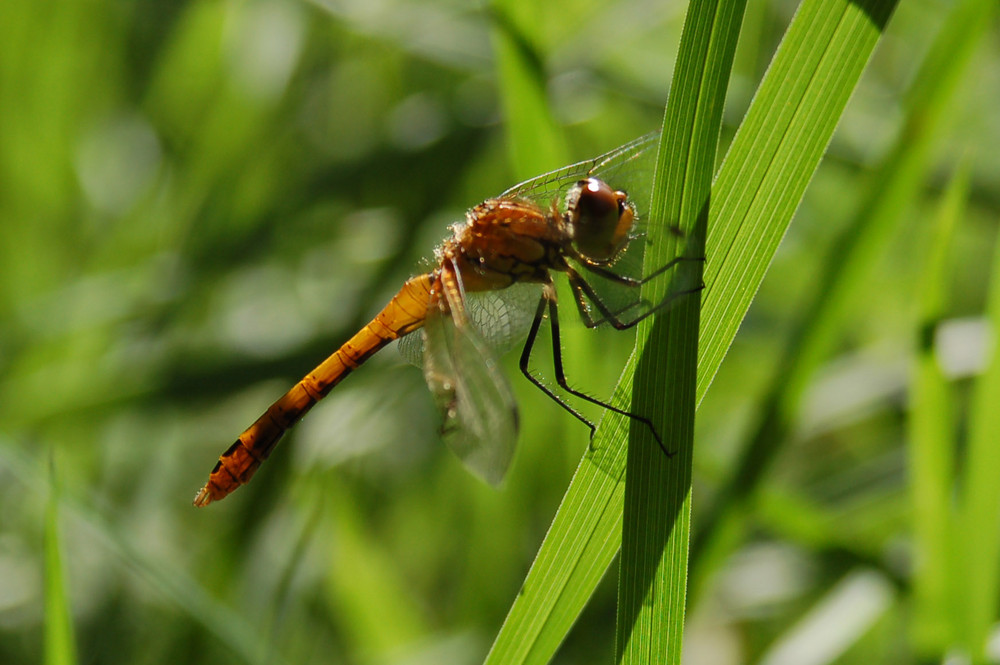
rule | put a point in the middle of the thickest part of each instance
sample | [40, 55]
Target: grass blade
[167, 579]
[932, 442]
[656, 521]
[775, 153]
[977, 574]
[894, 184]
[760, 184]
[60, 643]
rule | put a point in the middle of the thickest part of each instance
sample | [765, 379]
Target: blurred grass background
[199, 201]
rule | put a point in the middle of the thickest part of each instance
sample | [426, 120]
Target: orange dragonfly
[571, 221]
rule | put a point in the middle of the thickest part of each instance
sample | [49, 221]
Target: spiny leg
[529, 344]
[564, 384]
[612, 276]
[549, 299]
[583, 291]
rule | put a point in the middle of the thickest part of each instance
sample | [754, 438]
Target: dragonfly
[579, 221]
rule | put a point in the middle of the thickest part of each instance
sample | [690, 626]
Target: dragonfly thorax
[599, 219]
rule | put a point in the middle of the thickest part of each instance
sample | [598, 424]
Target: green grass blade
[932, 442]
[980, 506]
[759, 186]
[583, 539]
[657, 510]
[776, 152]
[165, 578]
[60, 643]
[893, 187]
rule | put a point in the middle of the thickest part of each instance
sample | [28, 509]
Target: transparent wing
[480, 415]
[501, 318]
[411, 348]
[628, 167]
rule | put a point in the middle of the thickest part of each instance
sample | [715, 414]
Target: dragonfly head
[600, 219]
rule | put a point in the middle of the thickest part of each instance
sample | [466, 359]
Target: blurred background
[199, 201]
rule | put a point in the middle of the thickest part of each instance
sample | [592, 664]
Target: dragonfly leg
[524, 363]
[548, 300]
[582, 292]
[612, 276]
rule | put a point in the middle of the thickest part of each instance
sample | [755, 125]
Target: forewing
[411, 347]
[501, 318]
[480, 415]
[628, 167]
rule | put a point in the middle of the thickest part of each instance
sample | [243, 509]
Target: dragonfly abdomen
[404, 314]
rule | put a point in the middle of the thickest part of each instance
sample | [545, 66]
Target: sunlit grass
[657, 504]
[761, 182]
[60, 642]
[973, 559]
[846, 273]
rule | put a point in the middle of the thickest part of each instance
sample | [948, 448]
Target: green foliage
[657, 511]
[973, 559]
[199, 201]
[60, 647]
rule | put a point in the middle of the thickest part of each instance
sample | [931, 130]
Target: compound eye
[601, 218]
[597, 200]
